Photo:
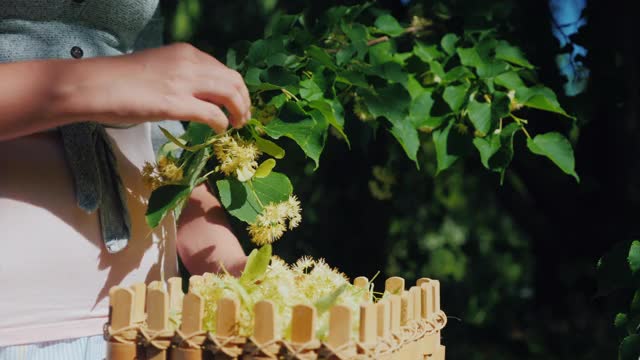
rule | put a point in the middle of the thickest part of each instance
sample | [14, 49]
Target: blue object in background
[567, 20]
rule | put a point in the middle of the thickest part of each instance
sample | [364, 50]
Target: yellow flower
[236, 156]
[165, 171]
[271, 224]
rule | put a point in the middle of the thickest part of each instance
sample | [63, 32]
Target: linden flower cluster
[271, 224]
[236, 156]
[306, 282]
[165, 171]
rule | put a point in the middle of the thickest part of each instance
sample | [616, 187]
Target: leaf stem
[288, 94]
[521, 123]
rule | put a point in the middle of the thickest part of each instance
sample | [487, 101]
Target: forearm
[205, 241]
[29, 100]
[43, 94]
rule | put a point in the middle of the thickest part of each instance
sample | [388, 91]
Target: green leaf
[198, 133]
[407, 135]
[420, 110]
[357, 34]
[321, 56]
[621, 320]
[441, 140]
[437, 69]
[556, 147]
[265, 168]
[634, 256]
[310, 91]
[500, 105]
[470, 57]
[480, 115]
[540, 97]
[252, 77]
[308, 130]
[333, 113]
[630, 348]
[426, 53]
[279, 76]
[392, 103]
[345, 54]
[391, 71]
[381, 53]
[507, 52]
[326, 302]
[496, 150]
[387, 24]
[352, 78]
[510, 80]
[269, 147]
[448, 43]
[241, 198]
[490, 69]
[181, 142]
[257, 265]
[260, 50]
[455, 96]
[457, 73]
[163, 200]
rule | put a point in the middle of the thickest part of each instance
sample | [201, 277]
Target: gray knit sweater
[67, 29]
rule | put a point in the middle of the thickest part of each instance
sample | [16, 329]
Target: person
[69, 69]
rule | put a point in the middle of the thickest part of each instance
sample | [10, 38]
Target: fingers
[204, 82]
[221, 77]
[223, 87]
[206, 113]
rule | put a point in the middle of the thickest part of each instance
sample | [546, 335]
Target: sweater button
[77, 52]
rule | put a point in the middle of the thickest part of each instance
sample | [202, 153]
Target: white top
[55, 274]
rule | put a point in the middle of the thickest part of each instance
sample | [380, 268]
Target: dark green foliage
[517, 262]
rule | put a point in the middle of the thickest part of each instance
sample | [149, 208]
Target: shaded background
[517, 261]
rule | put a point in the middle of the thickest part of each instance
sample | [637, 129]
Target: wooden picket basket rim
[415, 311]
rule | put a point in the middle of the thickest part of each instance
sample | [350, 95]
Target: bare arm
[173, 82]
[205, 240]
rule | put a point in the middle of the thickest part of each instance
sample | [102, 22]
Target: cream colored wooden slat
[436, 295]
[264, 329]
[426, 291]
[303, 324]
[406, 309]
[192, 313]
[363, 283]
[417, 302]
[174, 287]
[394, 285]
[368, 324]
[157, 310]
[157, 320]
[139, 292]
[396, 308]
[122, 308]
[340, 325]
[228, 317]
[156, 284]
[383, 316]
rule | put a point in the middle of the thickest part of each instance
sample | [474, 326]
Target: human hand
[176, 82]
